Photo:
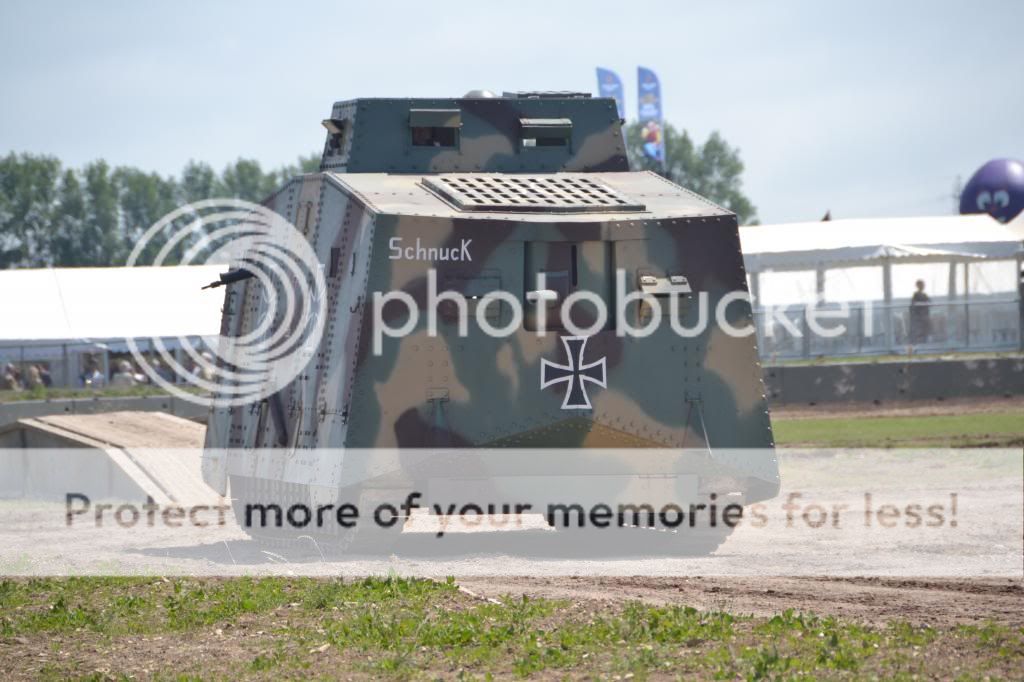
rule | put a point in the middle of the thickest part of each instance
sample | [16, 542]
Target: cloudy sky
[872, 109]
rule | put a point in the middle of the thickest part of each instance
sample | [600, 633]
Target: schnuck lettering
[398, 251]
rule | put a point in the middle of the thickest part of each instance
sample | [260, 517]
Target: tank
[529, 195]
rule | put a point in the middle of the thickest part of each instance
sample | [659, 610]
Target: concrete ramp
[117, 455]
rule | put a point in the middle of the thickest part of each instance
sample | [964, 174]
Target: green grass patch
[984, 429]
[408, 628]
[40, 393]
[891, 357]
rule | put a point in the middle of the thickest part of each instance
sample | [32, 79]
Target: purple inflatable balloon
[997, 188]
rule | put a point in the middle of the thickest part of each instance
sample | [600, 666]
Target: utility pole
[958, 188]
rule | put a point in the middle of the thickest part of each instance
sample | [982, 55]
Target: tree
[198, 182]
[27, 197]
[69, 221]
[101, 240]
[713, 169]
[143, 199]
[244, 179]
[94, 216]
[304, 164]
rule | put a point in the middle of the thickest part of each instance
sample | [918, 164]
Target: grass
[986, 429]
[108, 628]
[41, 393]
[891, 357]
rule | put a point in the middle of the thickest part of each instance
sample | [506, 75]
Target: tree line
[713, 169]
[93, 216]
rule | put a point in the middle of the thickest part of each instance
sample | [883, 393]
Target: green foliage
[402, 628]
[713, 169]
[989, 429]
[28, 194]
[93, 216]
[42, 393]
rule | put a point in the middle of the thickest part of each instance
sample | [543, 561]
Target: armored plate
[482, 196]
[528, 198]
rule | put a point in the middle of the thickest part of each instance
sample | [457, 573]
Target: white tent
[864, 261]
[75, 304]
[801, 246]
[818, 247]
[55, 315]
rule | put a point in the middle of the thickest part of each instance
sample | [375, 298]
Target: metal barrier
[873, 329]
[68, 363]
[784, 332]
[11, 412]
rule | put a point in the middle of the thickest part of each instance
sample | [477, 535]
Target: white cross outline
[576, 369]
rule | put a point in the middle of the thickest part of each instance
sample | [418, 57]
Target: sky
[861, 108]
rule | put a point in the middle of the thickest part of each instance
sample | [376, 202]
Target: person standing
[125, 376]
[920, 315]
[11, 379]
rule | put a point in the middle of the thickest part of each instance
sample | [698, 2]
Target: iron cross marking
[575, 374]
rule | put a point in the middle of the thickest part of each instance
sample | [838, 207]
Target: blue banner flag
[650, 113]
[610, 85]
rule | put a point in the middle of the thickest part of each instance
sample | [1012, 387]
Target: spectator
[44, 376]
[32, 378]
[203, 369]
[920, 315]
[11, 378]
[125, 375]
[92, 377]
[162, 370]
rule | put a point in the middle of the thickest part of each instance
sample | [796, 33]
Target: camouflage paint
[663, 391]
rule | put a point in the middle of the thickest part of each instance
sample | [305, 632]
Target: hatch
[557, 193]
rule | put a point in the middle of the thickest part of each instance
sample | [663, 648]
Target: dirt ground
[933, 602]
[877, 600]
[235, 649]
[908, 408]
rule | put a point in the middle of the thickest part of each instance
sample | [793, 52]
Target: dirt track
[908, 408]
[931, 601]
[934, 602]
[870, 600]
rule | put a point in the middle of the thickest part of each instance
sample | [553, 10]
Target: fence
[66, 363]
[877, 328]
[783, 333]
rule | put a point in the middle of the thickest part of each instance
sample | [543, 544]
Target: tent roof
[859, 241]
[70, 304]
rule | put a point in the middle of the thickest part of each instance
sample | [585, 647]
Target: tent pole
[1020, 301]
[755, 310]
[890, 340]
[967, 304]
[755, 288]
[819, 293]
[179, 355]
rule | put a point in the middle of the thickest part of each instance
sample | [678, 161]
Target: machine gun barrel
[230, 277]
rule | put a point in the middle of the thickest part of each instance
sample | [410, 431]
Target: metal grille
[561, 193]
